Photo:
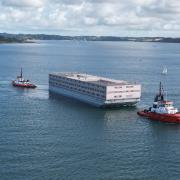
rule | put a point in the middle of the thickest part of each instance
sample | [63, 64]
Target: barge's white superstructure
[97, 91]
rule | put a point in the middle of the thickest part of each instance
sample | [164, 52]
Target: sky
[91, 17]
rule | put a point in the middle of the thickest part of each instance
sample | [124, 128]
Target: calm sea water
[48, 138]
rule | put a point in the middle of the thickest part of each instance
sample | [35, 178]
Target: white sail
[164, 71]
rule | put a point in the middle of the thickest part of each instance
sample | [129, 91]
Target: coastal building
[97, 91]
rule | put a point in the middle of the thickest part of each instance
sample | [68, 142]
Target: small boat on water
[21, 82]
[164, 72]
[162, 110]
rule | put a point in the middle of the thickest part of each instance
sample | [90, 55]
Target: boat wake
[41, 92]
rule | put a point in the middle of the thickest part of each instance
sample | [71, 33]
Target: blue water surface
[44, 137]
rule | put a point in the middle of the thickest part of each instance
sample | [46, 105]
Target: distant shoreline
[15, 42]
[6, 38]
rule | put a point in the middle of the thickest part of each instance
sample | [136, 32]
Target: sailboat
[164, 72]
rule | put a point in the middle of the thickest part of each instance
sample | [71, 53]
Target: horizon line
[19, 33]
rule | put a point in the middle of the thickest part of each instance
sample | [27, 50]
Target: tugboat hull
[32, 86]
[171, 118]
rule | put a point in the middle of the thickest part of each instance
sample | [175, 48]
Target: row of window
[61, 82]
[119, 87]
[112, 92]
[77, 89]
[75, 81]
[128, 96]
[130, 86]
[117, 96]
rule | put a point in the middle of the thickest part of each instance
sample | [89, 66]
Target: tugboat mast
[21, 74]
[160, 95]
[160, 89]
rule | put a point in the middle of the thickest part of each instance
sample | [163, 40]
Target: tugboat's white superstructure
[164, 107]
[161, 105]
[21, 82]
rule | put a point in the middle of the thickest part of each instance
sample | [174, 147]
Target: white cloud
[95, 17]
[22, 3]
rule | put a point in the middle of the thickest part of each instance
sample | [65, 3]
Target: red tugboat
[21, 82]
[162, 109]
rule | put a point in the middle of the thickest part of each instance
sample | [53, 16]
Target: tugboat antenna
[160, 88]
[161, 93]
[21, 73]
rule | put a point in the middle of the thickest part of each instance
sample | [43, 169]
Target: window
[129, 86]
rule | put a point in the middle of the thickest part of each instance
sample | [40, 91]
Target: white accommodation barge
[94, 90]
